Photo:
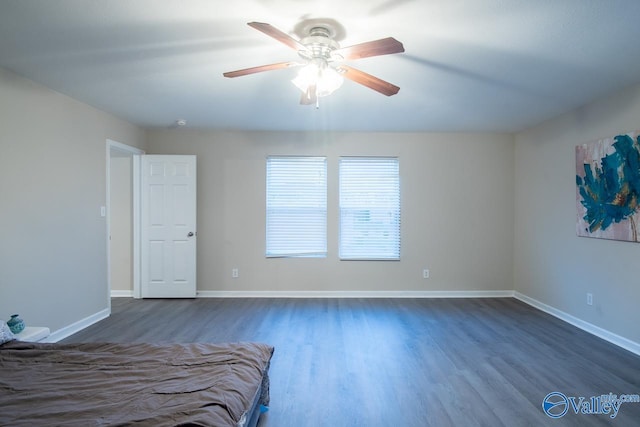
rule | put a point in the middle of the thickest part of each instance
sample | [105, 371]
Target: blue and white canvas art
[608, 188]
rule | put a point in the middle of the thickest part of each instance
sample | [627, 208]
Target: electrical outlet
[234, 273]
[589, 299]
[425, 273]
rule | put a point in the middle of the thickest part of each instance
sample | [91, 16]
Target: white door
[168, 213]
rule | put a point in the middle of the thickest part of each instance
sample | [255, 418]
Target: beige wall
[457, 210]
[52, 185]
[552, 264]
[121, 211]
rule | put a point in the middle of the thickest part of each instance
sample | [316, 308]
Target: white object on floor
[33, 334]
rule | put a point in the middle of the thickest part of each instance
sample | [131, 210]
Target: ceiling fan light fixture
[318, 73]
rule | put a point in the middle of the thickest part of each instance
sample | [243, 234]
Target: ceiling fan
[322, 71]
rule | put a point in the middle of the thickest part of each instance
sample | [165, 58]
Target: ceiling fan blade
[372, 48]
[368, 80]
[278, 35]
[260, 69]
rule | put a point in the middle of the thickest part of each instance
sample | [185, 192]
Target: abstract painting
[608, 188]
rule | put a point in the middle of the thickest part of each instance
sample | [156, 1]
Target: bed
[106, 384]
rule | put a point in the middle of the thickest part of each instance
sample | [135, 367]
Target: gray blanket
[123, 384]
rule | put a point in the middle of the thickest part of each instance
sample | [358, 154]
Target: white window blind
[296, 207]
[369, 208]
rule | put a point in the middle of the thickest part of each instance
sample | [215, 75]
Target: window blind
[296, 207]
[369, 208]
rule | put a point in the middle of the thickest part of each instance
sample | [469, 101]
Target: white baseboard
[623, 342]
[618, 340]
[63, 333]
[121, 294]
[354, 294]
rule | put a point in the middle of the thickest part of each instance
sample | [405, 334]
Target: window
[369, 208]
[296, 207]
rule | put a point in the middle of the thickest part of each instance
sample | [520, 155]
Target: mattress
[100, 384]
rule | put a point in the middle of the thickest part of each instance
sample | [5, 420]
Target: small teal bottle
[15, 324]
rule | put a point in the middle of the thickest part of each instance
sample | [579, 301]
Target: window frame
[377, 251]
[273, 249]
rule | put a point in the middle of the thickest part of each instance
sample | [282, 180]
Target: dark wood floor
[398, 362]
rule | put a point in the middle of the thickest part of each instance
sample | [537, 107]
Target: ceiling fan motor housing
[318, 45]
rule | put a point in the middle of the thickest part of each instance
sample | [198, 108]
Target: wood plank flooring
[398, 362]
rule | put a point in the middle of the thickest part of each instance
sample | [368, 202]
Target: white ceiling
[469, 65]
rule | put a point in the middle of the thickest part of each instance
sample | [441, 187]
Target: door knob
[190, 234]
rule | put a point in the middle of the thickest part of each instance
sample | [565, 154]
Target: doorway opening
[122, 218]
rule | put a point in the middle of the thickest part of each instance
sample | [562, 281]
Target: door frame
[135, 154]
